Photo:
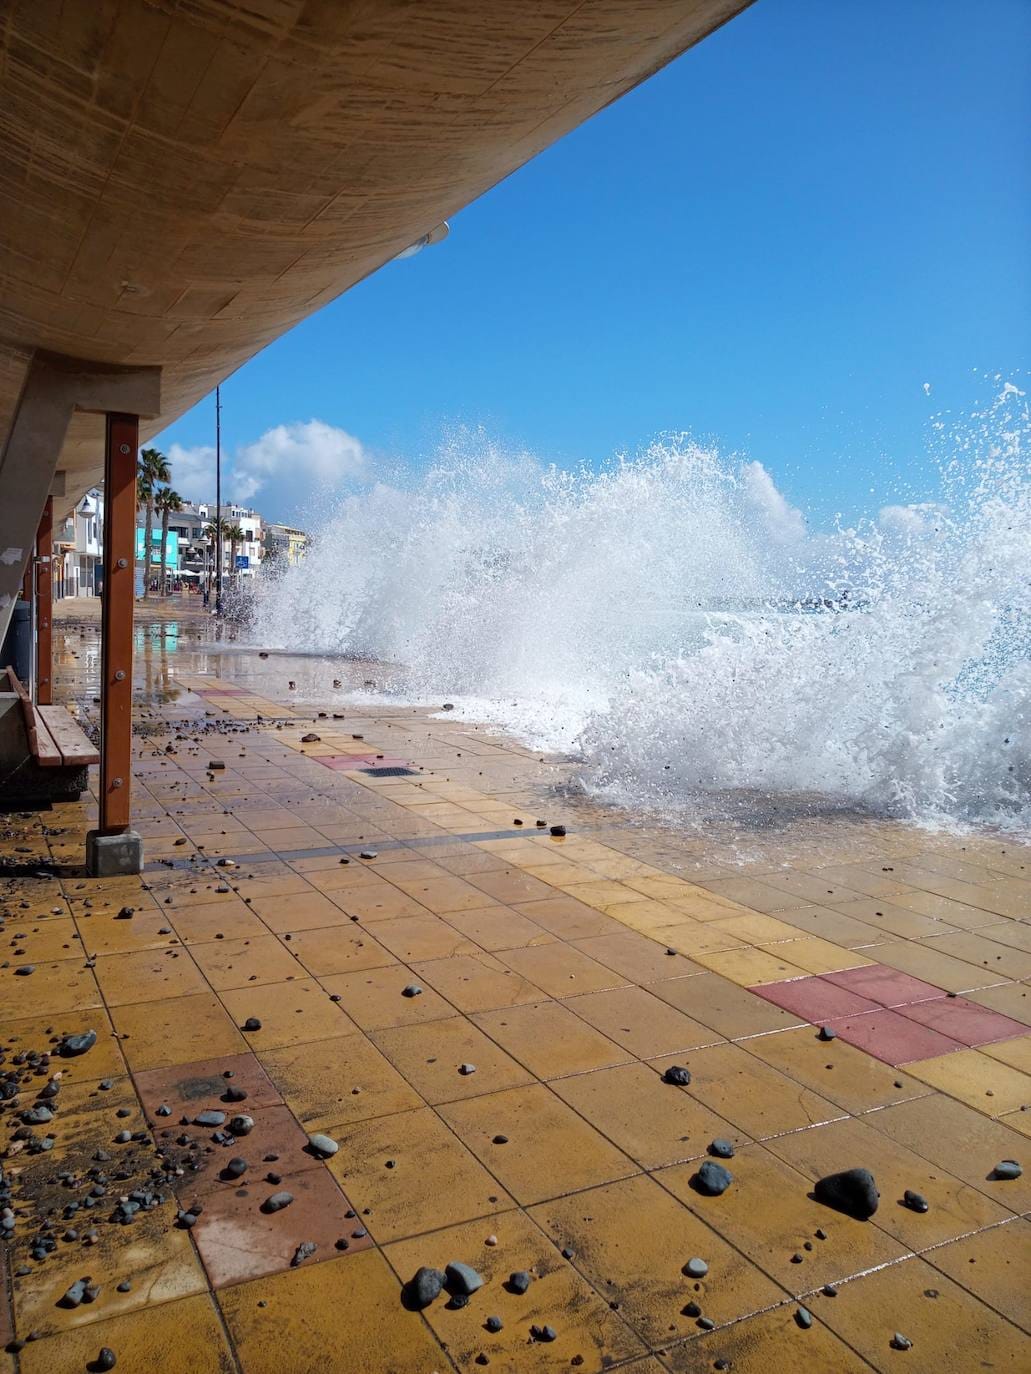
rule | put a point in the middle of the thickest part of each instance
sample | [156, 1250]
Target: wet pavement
[368, 935]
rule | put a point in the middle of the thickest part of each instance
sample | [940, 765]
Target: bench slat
[45, 750]
[75, 747]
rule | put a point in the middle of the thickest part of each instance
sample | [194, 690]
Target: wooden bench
[56, 745]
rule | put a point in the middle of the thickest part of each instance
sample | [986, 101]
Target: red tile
[816, 999]
[190, 1088]
[893, 1038]
[238, 1241]
[964, 1021]
[277, 1142]
[888, 987]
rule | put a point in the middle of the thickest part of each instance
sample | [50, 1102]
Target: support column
[44, 693]
[113, 847]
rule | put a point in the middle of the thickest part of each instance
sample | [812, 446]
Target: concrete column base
[110, 856]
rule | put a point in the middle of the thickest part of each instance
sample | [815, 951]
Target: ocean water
[672, 624]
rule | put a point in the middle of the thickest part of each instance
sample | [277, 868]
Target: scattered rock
[448, 706]
[368, 854]
[677, 1075]
[1007, 1168]
[466, 1069]
[311, 738]
[462, 1278]
[241, 1125]
[543, 1333]
[412, 990]
[209, 1118]
[236, 1167]
[494, 1324]
[557, 830]
[215, 764]
[500, 1140]
[519, 1281]
[424, 1287]
[804, 1318]
[900, 1342]
[106, 1359]
[74, 1045]
[827, 1033]
[277, 1201]
[696, 1268]
[722, 1149]
[304, 1251]
[853, 1192]
[712, 1179]
[25, 970]
[916, 1202]
[126, 913]
[323, 1145]
[252, 1024]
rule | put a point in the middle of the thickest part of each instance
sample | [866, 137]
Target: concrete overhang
[181, 182]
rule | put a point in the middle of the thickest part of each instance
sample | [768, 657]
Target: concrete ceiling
[181, 181]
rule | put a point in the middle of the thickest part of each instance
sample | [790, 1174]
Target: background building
[284, 546]
[78, 548]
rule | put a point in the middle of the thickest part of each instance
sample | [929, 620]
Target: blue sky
[775, 242]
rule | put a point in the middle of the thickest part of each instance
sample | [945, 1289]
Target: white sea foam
[671, 623]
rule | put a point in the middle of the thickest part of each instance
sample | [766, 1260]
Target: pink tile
[964, 1021]
[816, 999]
[893, 1038]
[888, 987]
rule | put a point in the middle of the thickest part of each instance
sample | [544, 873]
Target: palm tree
[235, 535]
[166, 501]
[151, 468]
[215, 534]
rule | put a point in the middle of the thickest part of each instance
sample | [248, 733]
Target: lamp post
[218, 500]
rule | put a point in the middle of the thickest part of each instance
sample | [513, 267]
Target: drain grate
[389, 772]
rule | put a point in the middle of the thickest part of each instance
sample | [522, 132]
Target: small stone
[544, 1333]
[125, 1286]
[558, 830]
[1007, 1168]
[462, 1278]
[412, 990]
[209, 1118]
[322, 1145]
[500, 1140]
[712, 1179]
[466, 1069]
[25, 969]
[706, 1323]
[217, 763]
[829, 1291]
[677, 1075]
[696, 1269]
[424, 1287]
[827, 1033]
[368, 854]
[163, 1110]
[916, 1202]
[106, 1359]
[277, 1202]
[252, 1024]
[236, 1167]
[722, 1149]
[491, 1241]
[519, 1281]
[304, 1251]
[311, 738]
[900, 1342]
[73, 1296]
[494, 1324]
[241, 1125]
[234, 1095]
[804, 1318]
[73, 1045]
[853, 1192]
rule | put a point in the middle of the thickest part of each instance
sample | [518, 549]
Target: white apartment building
[79, 548]
[248, 551]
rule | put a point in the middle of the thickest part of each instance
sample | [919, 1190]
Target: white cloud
[304, 454]
[311, 453]
[783, 521]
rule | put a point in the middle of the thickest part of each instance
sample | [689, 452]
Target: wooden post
[45, 606]
[122, 442]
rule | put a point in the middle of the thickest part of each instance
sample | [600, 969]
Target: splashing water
[670, 622]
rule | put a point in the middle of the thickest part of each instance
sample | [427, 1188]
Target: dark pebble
[900, 1342]
[519, 1281]
[424, 1287]
[712, 1179]
[828, 1033]
[1007, 1168]
[277, 1202]
[804, 1318]
[722, 1149]
[304, 1251]
[916, 1202]
[494, 1324]
[545, 1333]
[677, 1075]
[853, 1192]
[252, 1024]
[412, 990]
[106, 1359]
[462, 1278]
